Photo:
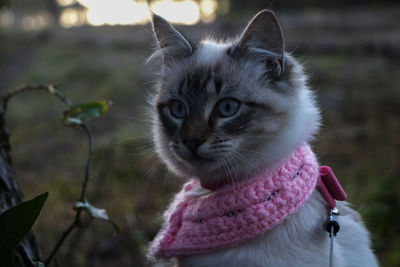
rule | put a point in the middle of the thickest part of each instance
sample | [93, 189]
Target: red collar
[329, 187]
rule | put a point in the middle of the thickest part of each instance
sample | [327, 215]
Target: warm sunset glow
[35, 22]
[71, 17]
[208, 9]
[131, 12]
[123, 12]
[66, 2]
[182, 12]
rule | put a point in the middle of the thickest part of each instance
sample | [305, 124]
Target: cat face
[224, 110]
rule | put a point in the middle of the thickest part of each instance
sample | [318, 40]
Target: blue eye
[178, 109]
[228, 107]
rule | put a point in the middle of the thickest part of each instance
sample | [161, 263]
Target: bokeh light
[183, 12]
[6, 18]
[130, 12]
[35, 22]
[71, 17]
[208, 9]
[66, 2]
[117, 12]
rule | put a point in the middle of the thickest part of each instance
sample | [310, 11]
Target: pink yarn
[236, 213]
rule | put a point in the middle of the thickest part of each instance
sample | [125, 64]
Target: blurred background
[95, 49]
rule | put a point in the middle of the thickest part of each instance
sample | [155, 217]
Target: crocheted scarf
[236, 213]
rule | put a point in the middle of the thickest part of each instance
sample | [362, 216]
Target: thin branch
[77, 220]
[49, 88]
[60, 242]
[88, 162]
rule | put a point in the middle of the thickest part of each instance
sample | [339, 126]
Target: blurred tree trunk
[10, 194]
[5, 3]
[54, 9]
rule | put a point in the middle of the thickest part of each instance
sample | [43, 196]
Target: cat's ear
[171, 42]
[263, 36]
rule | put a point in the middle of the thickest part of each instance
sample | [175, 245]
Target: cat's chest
[300, 234]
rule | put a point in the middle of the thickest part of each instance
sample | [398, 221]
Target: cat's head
[226, 109]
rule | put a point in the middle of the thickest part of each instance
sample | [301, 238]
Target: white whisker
[240, 157]
[149, 173]
[235, 170]
[142, 147]
[255, 152]
[226, 168]
[132, 138]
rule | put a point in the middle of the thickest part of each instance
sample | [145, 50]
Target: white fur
[300, 125]
[301, 239]
[210, 52]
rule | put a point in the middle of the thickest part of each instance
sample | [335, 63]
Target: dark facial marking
[266, 109]
[239, 123]
[258, 105]
[234, 52]
[217, 85]
[195, 92]
[169, 125]
[194, 128]
[198, 79]
[180, 87]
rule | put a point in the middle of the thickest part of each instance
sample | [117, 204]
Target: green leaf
[15, 223]
[76, 114]
[96, 213]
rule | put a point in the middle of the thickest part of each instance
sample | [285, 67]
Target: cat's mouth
[192, 158]
[206, 168]
[208, 171]
[198, 159]
[199, 163]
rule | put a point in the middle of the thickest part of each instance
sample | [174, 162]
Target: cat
[224, 110]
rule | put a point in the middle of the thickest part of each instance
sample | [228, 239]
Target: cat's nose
[193, 144]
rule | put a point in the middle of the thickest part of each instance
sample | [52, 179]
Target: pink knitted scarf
[236, 213]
